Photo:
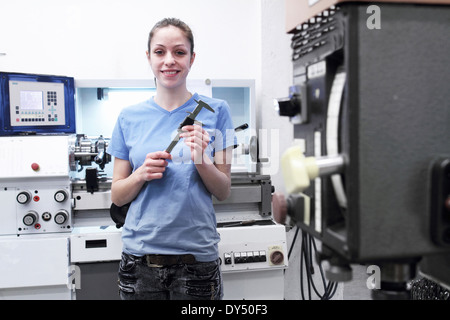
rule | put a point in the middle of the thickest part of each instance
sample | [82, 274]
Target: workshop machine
[370, 100]
[35, 185]
[57, 239]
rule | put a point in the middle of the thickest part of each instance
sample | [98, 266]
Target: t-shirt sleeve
[117, 146]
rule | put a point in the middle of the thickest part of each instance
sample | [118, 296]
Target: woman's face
[170, 57]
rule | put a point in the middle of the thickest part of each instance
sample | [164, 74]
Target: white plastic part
[298, 170]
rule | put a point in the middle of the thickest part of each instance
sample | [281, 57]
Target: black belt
[159, 260]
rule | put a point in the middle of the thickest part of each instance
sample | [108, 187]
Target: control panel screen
[36, 103]
[31, 100]
[32, 104]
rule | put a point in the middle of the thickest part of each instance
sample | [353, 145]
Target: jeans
[198, 281]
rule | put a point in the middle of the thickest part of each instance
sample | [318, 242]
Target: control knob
[60, 196]
[276, 257]
[61, 216]
[288, 106]
[23, 197]
[30, 218]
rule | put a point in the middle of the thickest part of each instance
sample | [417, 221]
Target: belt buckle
[152, 265]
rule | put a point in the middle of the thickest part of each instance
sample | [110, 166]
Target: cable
[293, 242]
[308, 248]
[301, 269]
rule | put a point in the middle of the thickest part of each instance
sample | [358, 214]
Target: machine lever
[241, 127]
[99, 157]
[299, 170]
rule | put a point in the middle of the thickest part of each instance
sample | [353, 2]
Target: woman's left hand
[197, 139]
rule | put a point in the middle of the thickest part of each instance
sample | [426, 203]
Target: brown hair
[175, 23]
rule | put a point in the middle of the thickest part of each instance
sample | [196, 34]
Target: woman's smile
[170, 73]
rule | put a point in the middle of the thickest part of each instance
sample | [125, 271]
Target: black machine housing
[394, 130]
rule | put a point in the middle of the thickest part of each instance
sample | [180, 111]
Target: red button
[35, 166]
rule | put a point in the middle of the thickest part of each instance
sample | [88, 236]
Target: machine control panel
[36, 104]
[35, 185]
[40, 103]
[252, 248]
[245, 257]
[43, 210]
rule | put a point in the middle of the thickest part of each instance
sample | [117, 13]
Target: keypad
[51, 98]
[40, 116]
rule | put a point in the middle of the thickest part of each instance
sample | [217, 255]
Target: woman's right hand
[126, 184]
[154, 165]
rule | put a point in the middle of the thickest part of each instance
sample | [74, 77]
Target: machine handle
[99, 243]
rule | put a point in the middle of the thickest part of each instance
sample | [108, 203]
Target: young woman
[169, 237]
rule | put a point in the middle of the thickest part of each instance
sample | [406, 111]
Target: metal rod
[329, 165]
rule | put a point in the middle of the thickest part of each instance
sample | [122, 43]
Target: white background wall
[104, 39]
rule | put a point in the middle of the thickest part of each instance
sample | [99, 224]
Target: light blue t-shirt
[172, 215]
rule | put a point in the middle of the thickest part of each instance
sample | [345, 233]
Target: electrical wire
[293, 242]
[307, 251]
